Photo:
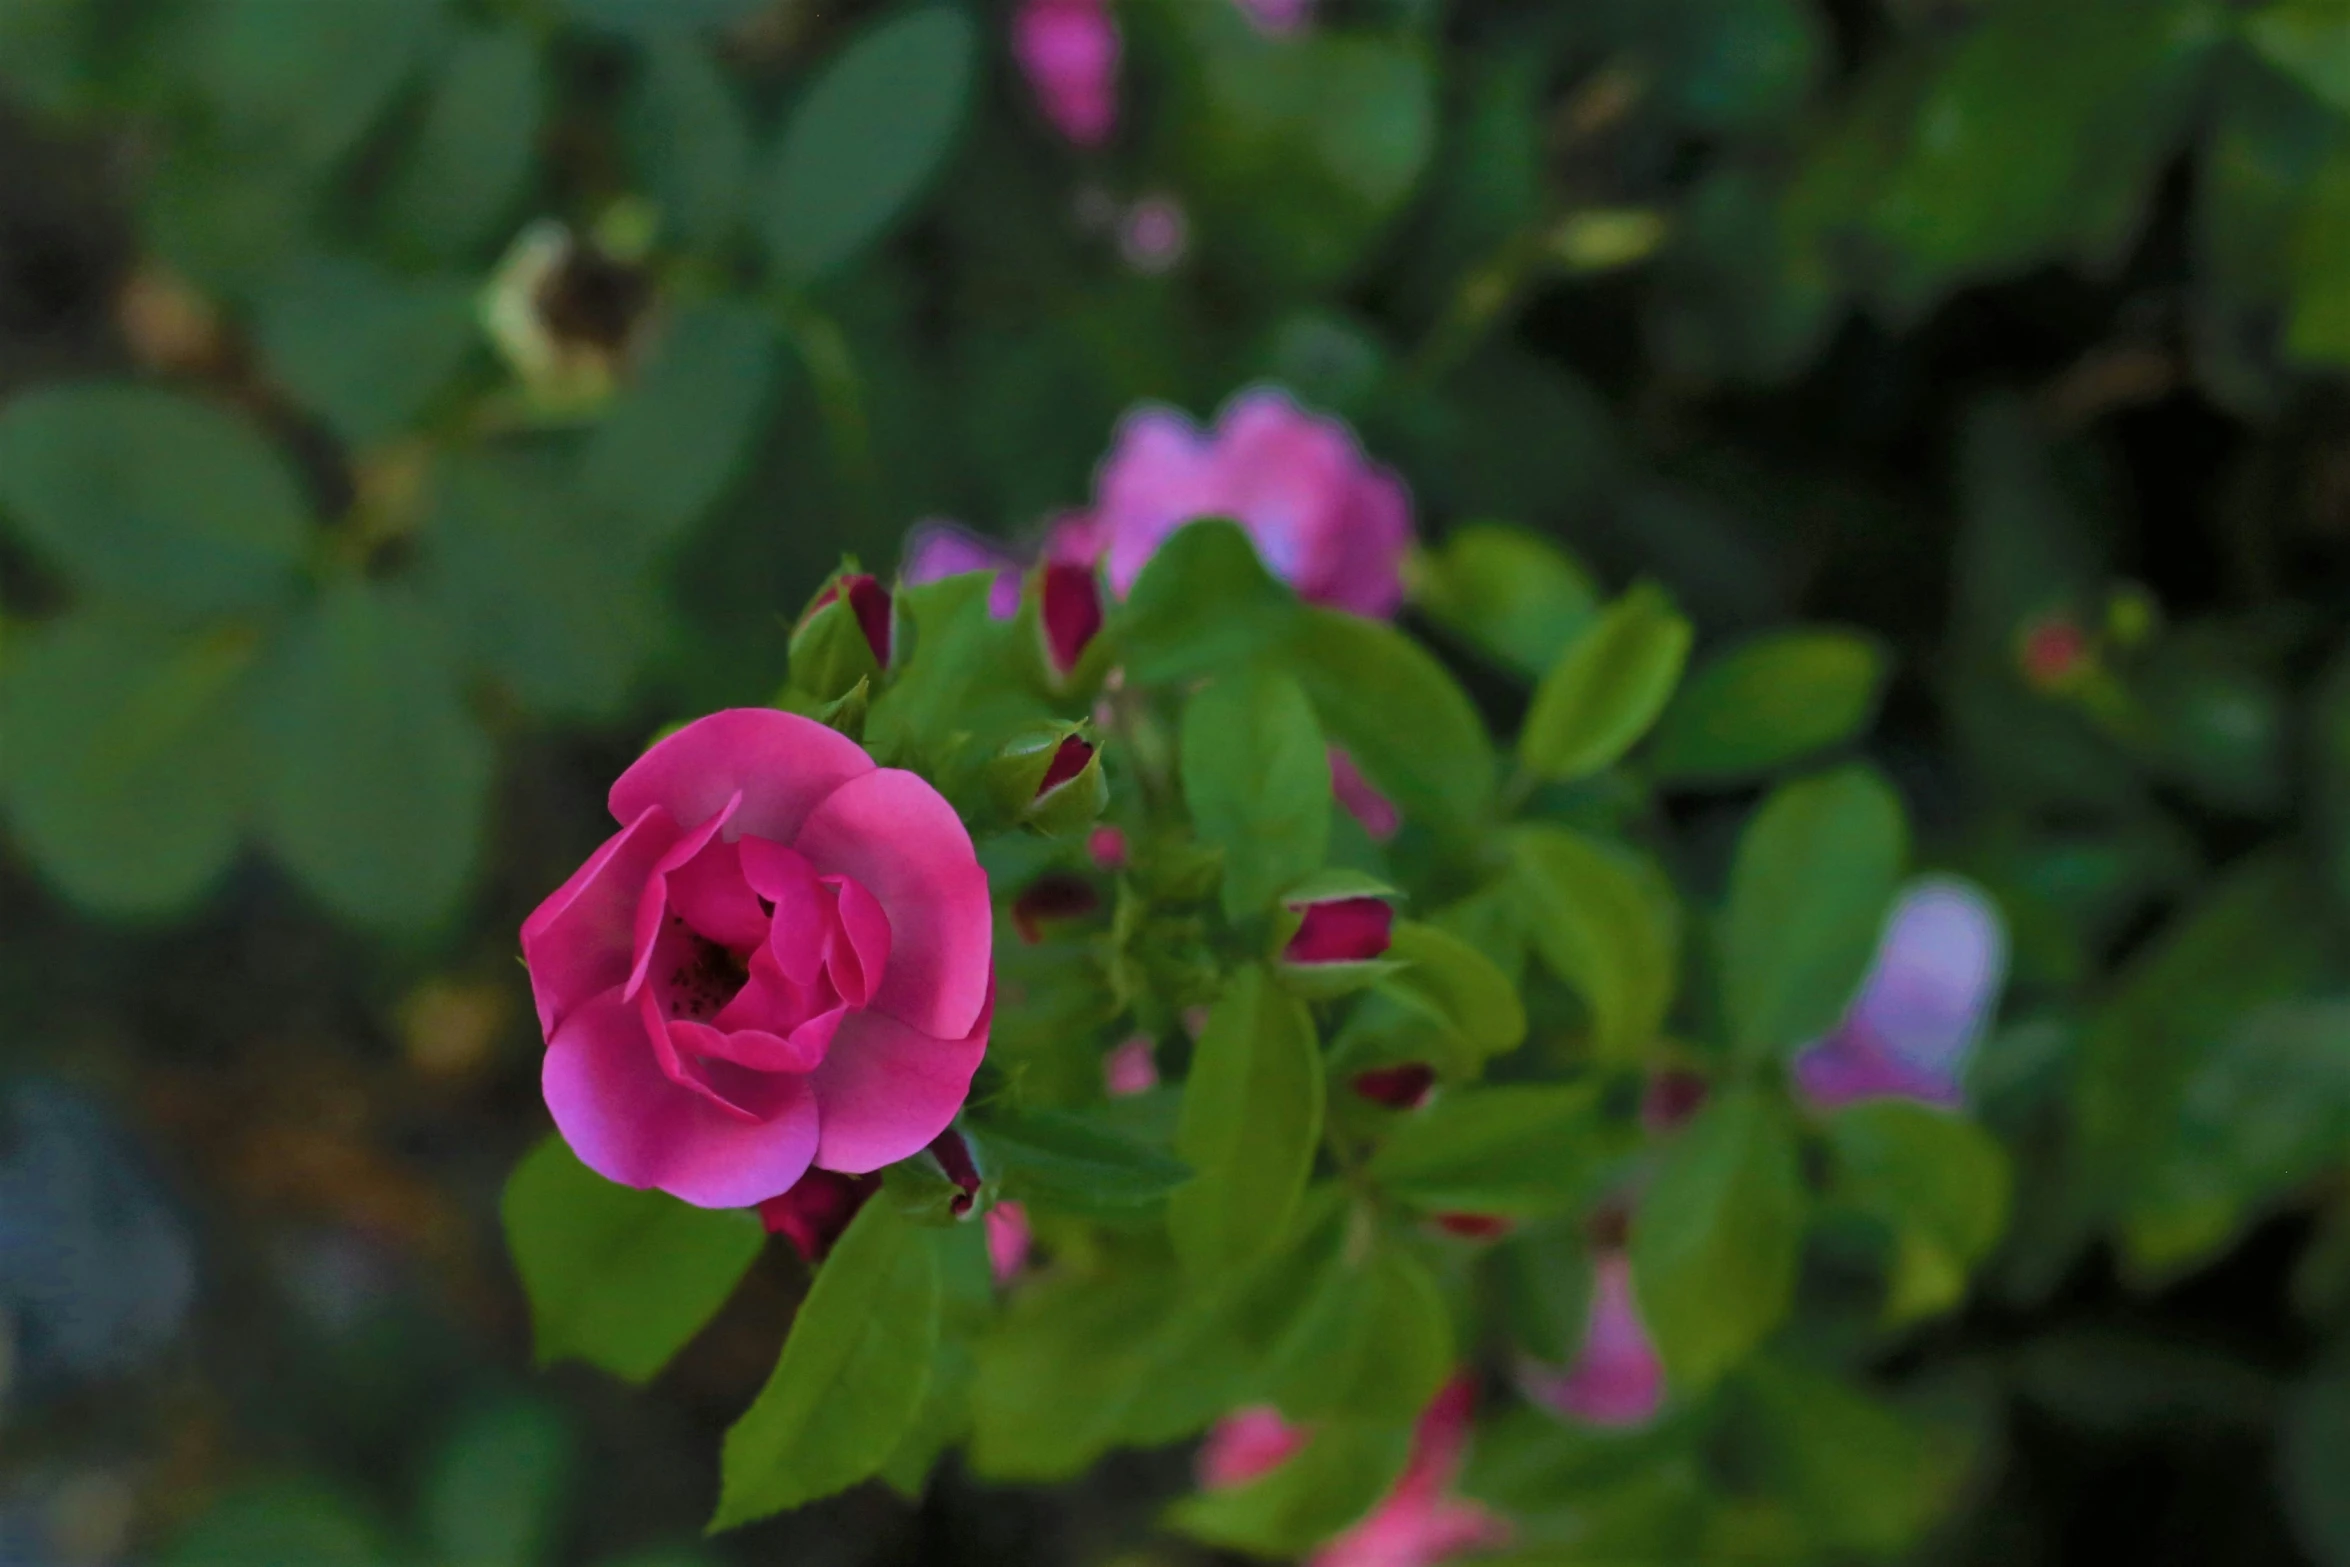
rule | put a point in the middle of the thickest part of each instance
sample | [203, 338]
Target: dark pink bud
[1130, 1069]
[1107, 845]
[1672, 1097]
[869, 602]
[954, 1156]
[1404, 1087]
[1068, 761]
[1069, 611]
[1343, 930]
[817, 1208]
[2054, 652]
[1475, 1226]
[1052, 898]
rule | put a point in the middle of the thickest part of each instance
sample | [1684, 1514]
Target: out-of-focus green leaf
[1518, 1151]
[1773, 701]
[1372, 1344]
[1604, 922]
[1257, 777]
[2310, 41]
[691, 141]
[298, 85]
[1203, 601]
[616, 1277]
[1860, 1475]
[1060, 1161]
[364, 348]
[2311, 1458]
[291, 1523]
[1814, 876]
[530, 589]
[374, 777]
[851, 1378]
[2318, 330]
[1252, 1118]
[871, 132]
[1606, 688]
[128, 773]
[1508, 592]
[1542, 1279]
[1716, 1235]
[1938, 1181]
[1343, 1468]
[1450, 982]
[147, 496]
[495, 1491]
[1399, 713]
[471, 156]
[653, 20]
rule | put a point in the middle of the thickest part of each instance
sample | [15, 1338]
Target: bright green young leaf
[1815, 873]
[1938, 1181]
[852, 1376]
[1327, 1484]
[1060, 1161]
[1606, 688]
[1513, 594]
[374, 777]
[1775, 700]
[291, 1523]
[1518, 1151]
[678, 437]
[1864, 1478]
[1372, 1345]
[495, 1492]
[1252, 1117]
[148, 496]
[872, 131]
[562, 623]
[1716, 1236]
[691, 141]
[362, 347]
[460, 178]
[1203, 602]
[1450, 982]
[1606, 923]
[1256, 774]
[128, 775]
[616, 1277]
[1402, 717]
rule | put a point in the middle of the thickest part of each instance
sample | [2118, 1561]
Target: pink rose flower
[1421, 1522]
[1068, 50]
[1245, 1445]
[1327, 521]
[1617, 1378]
[782, 959]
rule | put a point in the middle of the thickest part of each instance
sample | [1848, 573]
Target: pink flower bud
[817, 1208]
[1007, 1240]
[1130, 1069]
[2054, 652]
[1246, 1445]
[954, 1157]
[1404, 1087]
[1068, 50]
[1342, 930]
[1069, 605]
[1107, 845]
[1671, 1098]
[1475, 1226]
[1050, 899]
[869, 602]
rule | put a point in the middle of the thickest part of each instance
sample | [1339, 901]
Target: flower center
[703, 976]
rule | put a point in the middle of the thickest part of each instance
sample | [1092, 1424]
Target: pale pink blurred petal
[1361, 799]
[1068, 50]
[1246, 1445]
[1617, 1379]
[1130, 1069]
[937, 549]
[1922, 1009]
[1421, 1523]
[1154, 235]
[1007, 1240]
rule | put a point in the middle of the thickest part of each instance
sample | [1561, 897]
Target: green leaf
[1340, 1473]
[1256, 775]
[1939, 1181]
[564, 624]
[616, 1277]
[1862, 1477]
[2309, 40]
[362, 347]
[851, 1378]
[1372, 1344]
[2318, 329]
[495, 1492]
[675, 442]
[141, 494]
[1511, 593]
[128, 776]
[1542, 1278]
[654, 20]
[870, 134]
[1770, 702]
[1060, 1161]
[299, 85]
[1400, 715]
[1716, 1237]
[1445, 979]
[374, 777]
[1815, 873]
[290, 1523]
[1517, 1151]
[1252, 1117]
[1606, 923]
[459, 179]
[690, 140]
[1606, 688]
[1202, 602]
[2312, 1458]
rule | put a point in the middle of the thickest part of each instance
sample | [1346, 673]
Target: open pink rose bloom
[781, 960]
[1923, 1007]
[1617, 1379]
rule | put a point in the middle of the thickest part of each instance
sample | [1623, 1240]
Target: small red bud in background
[816, 1209]
[1475, 1226]
[1069, 613]
[1051, 898]
[1404, 1087]
[2054, 653]
[869, 602]
[1107, 845]
[1671, 1098]
[1342, 930]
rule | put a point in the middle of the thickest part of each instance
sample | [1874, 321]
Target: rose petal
[653, 915]
[858, 952]
[630, 1124]
[783, 764]
[709, 893]
[894, 835]
[886, 1091]
[580, 941]
[798, 929]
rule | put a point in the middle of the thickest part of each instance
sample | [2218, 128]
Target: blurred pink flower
[1246, 1445]
[1923, 1007]
[1154, 235]
[1326, 520]
[937, 549]
[1421, 1522]
[1617, 1378]
[1107, 846]
[1130, 1069]
[1068, 50]
[1361, 798]
[783, 959]
[1007, 1240]
[1341, 930]
[1277, 16]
